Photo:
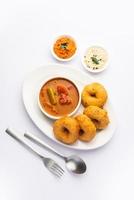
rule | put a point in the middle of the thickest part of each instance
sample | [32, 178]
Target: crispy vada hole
[81, 132]
[65, 130]
[95, 121]
[92, 94]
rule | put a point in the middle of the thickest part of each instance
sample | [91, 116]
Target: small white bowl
[96, 70]
[63, 59]
[57, 117]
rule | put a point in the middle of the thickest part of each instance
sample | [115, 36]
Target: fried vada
[87, 129]
[94, 95]
[98, 116]
[66, 130]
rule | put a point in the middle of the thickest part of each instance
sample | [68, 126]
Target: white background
[27, 29]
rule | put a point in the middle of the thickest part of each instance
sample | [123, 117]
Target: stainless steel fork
[50, 164]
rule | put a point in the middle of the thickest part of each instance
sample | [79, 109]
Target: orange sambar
[59, 97]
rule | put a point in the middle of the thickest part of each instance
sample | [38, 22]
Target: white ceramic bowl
[57, 117]
[63, 59]
[96, 70]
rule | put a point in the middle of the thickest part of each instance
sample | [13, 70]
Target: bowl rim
[63, 59]
[52, 116]
[104, 66]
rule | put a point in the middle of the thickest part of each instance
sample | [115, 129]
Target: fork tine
[57, 169]
[55, 172]
[53, 167]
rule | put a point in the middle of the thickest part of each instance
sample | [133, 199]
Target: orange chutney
[59, 97]
[64, 47]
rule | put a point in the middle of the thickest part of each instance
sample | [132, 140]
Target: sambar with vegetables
[59, 97]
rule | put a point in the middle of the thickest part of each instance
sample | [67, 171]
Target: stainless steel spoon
[73, 163]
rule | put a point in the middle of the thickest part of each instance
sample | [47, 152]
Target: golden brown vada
[98, 116]
[87, 129]
[94, 95]
[66, 130]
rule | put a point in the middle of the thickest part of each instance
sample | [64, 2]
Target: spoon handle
[41, 143]
[20, 139]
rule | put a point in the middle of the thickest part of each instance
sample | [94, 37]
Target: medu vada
[94, 95]
[98, 116]
[87, 129]
[66, 130]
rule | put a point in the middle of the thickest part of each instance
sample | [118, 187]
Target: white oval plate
[30, 98]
